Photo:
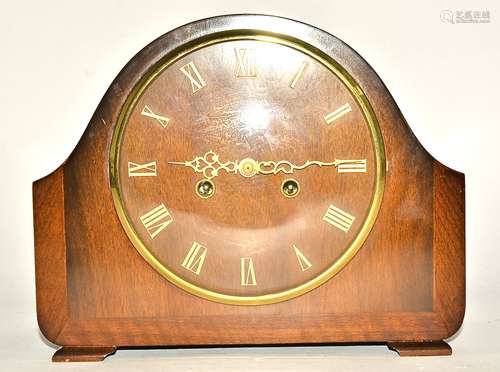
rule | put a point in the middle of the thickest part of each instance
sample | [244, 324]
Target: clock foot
[420, 348]
[82, 353]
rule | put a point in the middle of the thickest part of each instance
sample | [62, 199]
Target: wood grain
[407, 283]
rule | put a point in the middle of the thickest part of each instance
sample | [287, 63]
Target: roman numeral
[352, 166]
[195, 258]
[141, 170]
[194, 76]
[245, 62]
[156, 220]
[247, 272]
[303, 261]
[338, 218]
[298, 74]
[341, 111]
[162, 120]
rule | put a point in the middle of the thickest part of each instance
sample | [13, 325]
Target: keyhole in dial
[205, 189]
[290, 188]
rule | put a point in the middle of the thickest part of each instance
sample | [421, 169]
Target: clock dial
[247, 170]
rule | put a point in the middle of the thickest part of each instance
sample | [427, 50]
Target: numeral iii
[352, 166]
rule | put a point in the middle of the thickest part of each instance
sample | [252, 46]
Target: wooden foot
[82, 353]
[420, 348]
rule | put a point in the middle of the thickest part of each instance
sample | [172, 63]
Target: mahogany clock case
[405, 286]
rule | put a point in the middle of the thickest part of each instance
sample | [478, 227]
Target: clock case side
[448, 240]
[449, 247]
[53, 204]
[50, 206]
[448, 213]
[50, 254]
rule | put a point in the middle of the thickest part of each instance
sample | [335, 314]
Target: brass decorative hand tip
[210, 165]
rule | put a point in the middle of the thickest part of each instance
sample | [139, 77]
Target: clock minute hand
[273, 167]
[210, 165]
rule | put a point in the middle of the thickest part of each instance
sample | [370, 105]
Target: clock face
[247, 169]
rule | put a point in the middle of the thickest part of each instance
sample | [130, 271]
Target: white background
[57, 59]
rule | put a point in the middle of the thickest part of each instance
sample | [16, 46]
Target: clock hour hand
[210, 165]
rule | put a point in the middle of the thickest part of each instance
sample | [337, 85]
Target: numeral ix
[142, 170]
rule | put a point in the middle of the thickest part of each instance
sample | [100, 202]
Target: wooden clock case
[405, 287]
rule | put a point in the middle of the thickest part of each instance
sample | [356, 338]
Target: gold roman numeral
[156, 220]
[162, 120]
[298, 74]
[352, 166]
[195, 258]
[247, 272]
[338, 218]
[341, 111]
[245, 62]
[194, 76]
[142, 170]
[303, 261]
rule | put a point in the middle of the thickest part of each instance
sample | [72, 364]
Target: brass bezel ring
[357, 94]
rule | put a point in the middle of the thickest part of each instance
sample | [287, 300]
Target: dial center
[248, 167]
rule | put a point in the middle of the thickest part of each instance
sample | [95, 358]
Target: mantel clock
[248, 180]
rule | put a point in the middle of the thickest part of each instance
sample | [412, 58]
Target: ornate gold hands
[210, 165]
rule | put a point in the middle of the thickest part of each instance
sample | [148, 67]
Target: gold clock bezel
[356, 92]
